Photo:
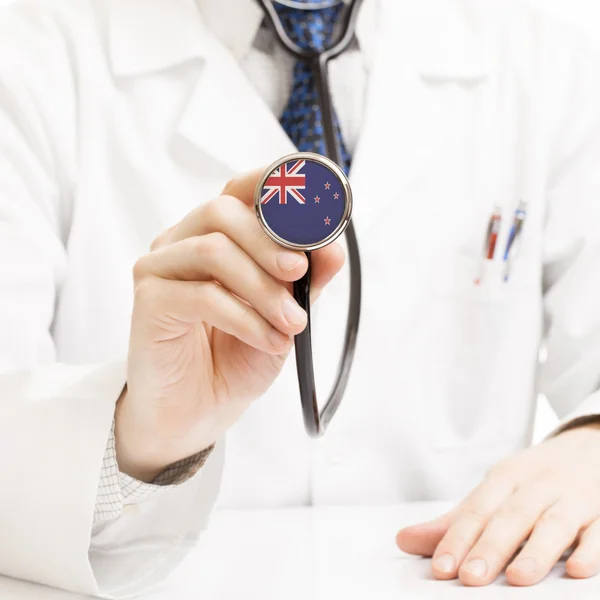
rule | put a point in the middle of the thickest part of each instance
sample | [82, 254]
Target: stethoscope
[316, 420]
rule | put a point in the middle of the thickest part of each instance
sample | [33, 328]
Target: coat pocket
[483, 345]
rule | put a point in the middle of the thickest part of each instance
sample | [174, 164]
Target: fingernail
[525, 565]
[477, 568]
[292, 312]
[288, 261]
[445, 564]
[278, 340]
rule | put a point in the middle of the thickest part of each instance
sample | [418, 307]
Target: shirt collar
[234, 22]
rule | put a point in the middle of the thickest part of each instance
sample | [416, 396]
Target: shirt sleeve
[117, 490]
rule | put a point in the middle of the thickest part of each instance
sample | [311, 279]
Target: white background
[584, 14]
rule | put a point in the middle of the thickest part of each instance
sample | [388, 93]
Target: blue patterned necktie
[311, 29]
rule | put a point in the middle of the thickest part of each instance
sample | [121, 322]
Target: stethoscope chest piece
[303, 201]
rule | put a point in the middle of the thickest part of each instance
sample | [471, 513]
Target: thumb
[423, 538]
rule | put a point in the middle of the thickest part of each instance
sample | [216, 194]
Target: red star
[327, 186]
[327, 221]
[336, 195]
[317, 199]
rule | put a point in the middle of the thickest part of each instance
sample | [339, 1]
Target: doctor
[125, 127]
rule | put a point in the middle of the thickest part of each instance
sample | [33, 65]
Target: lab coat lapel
[227, 120]
[410, 116]
[224, 117]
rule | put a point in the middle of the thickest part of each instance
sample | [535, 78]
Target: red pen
[491, 239]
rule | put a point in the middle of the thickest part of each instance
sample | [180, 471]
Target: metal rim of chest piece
[312, 5]
[335, 170]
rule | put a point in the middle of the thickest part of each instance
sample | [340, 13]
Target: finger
[216, 257]
[244, 186]
[505, 532]
[229, 215]
[423, 538]
[190, 302]
[326, 263]
[554, 532]
[471, 519]
[585, 561]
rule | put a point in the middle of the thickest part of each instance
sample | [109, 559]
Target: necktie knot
[310, 29]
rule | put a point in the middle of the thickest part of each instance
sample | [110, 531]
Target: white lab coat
[117, 119]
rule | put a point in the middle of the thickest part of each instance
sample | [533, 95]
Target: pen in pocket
[512, 243]
[491, 238]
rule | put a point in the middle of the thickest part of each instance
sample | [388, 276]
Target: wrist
[143, 450]
[133, 454]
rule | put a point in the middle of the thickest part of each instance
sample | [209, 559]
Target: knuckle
[227, 201]
[231, 185]
[211, 213]
[157, 242]
[197, 245]
[141, 268]
[223, 210]
[558, 520]
[147, 291]
[162, 239]
[217, 243]
[509, 513]
[475, 515]
[501, 470]
[209, 245]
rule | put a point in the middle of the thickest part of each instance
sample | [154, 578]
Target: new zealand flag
[303, 202]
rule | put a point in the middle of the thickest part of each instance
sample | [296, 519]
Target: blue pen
[513, 235]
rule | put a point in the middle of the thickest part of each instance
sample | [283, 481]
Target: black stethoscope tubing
[316, 420]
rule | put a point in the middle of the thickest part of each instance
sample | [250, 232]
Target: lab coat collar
[446, 41]
[451, 40]
[423, 43]
[164, 33]
[158, 34]
[153, 35]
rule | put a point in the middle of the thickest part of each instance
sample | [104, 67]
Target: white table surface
[318, 554]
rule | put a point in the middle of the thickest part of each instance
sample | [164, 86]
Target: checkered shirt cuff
[116, 489]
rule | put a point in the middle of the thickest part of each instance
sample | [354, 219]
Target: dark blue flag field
[303, 202]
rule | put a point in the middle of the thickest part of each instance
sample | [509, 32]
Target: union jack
[283, 181]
